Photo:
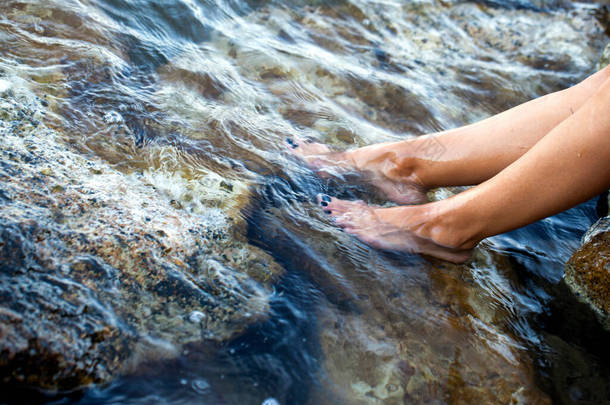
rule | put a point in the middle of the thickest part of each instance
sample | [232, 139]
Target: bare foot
[393, 229]
[366, 163]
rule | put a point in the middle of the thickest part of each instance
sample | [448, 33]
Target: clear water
[182, 89]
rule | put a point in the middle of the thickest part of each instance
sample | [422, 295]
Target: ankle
[449, 224]
[396, 161]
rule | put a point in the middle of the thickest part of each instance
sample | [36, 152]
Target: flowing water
[192, 95]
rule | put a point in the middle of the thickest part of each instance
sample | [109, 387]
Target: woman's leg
[462, 156]
[567, 166]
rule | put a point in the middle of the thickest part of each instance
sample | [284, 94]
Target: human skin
[404, 170]
[526, 175]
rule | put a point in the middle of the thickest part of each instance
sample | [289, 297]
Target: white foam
[5, 85]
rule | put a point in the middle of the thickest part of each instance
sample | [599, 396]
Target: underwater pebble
[201, 386]
[196, 316]
[391, 387]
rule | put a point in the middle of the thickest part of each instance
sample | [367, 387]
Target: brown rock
[588, 271]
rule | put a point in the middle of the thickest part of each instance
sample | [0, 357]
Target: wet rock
[99, 271]
[578, 377]
[200, 80]
[458, 354]
[588, 271]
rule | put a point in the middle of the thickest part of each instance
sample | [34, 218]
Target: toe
[324, 198]
[336, 206]
[314, 153]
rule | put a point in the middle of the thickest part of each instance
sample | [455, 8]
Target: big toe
[338, 207]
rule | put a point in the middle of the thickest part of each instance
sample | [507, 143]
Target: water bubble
[196, 316]
[201, 386]
[270, 401]
[232, 351]
[183, 381]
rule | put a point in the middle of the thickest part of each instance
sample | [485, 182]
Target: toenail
[323, 203]
[327, 212]
[291, 143]
[325, 198]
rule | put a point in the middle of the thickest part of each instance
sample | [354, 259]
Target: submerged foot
[393, 229]
[366, 163]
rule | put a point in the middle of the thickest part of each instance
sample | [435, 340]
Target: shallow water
[186, 94]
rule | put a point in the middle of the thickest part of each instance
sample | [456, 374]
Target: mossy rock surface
[588, 271]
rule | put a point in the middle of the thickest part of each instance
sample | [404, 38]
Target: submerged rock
[588, 271]
[455, 351]
[100, 270]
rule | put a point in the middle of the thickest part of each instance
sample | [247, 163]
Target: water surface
[184, 93]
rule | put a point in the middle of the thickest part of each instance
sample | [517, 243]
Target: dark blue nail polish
[323, 203]
[327, 212]
[326, 198]
[290, 142]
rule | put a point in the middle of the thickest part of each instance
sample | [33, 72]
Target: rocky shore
[102, 270]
